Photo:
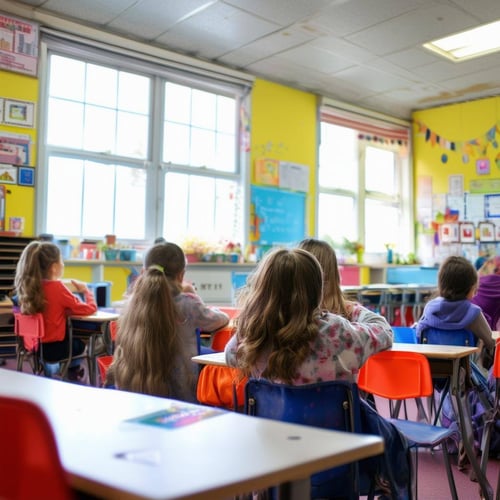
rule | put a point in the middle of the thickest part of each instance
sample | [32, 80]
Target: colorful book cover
[177, 416]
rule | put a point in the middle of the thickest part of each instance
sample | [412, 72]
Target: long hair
[333, 298]
[456, 277]
[278, 313]
[33, 267]
[150, 356]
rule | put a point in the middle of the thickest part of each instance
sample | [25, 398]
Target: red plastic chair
[493, 416]
[103, 363]
[399, 375]
[29, 462]
[30, 331]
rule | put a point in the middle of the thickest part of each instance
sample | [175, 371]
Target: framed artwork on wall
[20, 113]
[26, 176]
[497, 232]
[486, 231]
[449, 233]
[467, 232]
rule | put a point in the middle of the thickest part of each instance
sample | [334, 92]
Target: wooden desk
[99, 328]
[107, 456]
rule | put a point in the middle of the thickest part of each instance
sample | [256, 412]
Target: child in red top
[39, 289]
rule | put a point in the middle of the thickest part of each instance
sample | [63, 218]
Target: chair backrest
[496, 362]
[232, 312]
[396, 375]
[31, 328]
[221, 337]
[103, 363]
[113, 330]
[448, 337]
[330, 405]
[405, 334]
[221, 386]
[29, 461]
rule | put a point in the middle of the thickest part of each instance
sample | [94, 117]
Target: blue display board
[277, 216]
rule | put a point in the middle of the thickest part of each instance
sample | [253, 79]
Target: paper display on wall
[294, 176]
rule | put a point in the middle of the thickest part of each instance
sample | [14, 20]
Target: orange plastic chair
[221, 386]
[30, 463]
[398, 375]
[103, 363]
[221, 337]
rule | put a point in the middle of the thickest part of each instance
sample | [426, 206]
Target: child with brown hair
[157, 331]
[453, 309]
[39, 289]
[284, 335]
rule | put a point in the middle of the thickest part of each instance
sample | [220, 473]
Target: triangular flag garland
[382, 140]
[472, 148]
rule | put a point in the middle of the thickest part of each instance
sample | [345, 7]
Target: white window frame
[403, 198]
[156, 169]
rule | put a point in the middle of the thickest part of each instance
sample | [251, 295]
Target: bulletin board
[277, 216]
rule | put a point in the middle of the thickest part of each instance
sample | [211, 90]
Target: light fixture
[468, 44]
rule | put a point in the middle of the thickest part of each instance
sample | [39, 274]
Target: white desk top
[429, 350]
[215, 457]
[437, 351]
[216, 358]
[98, 317]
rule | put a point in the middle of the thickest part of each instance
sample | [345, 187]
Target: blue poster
[277, 217]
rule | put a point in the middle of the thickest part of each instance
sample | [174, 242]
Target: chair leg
[449, 472]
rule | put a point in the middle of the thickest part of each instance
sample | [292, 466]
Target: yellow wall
[20, 200]
[284, 127]
[461, 124]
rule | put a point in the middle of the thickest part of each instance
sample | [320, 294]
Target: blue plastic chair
[405, 334]
[331, 405]
[440, 336]
[448, 337]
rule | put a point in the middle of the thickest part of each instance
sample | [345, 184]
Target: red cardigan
[60, 303]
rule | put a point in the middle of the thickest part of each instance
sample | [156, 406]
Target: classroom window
[364, 190]
[135, 151]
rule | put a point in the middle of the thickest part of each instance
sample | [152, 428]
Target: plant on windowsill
[354, 248]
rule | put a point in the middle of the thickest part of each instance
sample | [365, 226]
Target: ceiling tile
[99, 12]
[265, 46]
[150, 18]
[218, 29]
[284, 13]
[412, 29]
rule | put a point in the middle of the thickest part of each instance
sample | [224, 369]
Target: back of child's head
[34, 266]
[150, 357]
[456, 278]
[289, 279]
[278, 312]
[333, 299]
[167, 255]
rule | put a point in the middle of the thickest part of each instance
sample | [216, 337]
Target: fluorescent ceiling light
[468, 44]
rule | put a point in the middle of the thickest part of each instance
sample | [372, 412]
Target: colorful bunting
[472, 148]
